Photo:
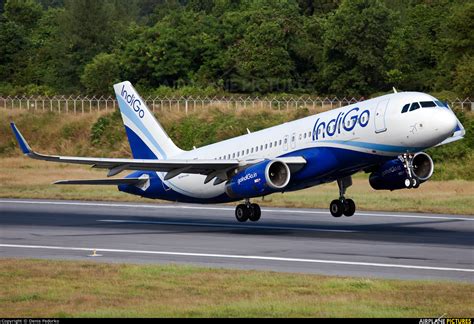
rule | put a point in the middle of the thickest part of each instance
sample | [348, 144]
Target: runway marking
[243, 257]
[286, 211]
[227, 225]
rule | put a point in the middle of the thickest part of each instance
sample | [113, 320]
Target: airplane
[383, 136]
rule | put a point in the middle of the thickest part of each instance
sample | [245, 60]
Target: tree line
[323, 47]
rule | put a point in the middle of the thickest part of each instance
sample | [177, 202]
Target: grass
[43, 288]
[21, 177]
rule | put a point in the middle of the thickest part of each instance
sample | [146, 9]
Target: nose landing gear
[411, 181]
[343, 206]
[248, 211]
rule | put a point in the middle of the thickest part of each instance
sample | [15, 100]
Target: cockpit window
[441, 104]
[405, 108]
[414, 106]
[427, 104]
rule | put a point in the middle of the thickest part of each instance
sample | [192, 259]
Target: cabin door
[380, 126]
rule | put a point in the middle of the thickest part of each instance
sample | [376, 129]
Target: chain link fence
[85, 104]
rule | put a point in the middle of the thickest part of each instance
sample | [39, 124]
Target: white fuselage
[376, 126]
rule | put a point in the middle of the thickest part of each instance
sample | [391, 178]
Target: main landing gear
[247, 211]
[410, 181]
[343, 206]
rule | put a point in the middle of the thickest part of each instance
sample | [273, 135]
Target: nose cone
[444, 123]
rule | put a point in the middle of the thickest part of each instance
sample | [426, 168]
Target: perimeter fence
[86, 104]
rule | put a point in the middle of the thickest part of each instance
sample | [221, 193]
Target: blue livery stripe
[139, 149]
[377, 147]
[124, 108]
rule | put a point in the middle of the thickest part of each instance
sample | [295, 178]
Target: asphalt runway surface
[368, 244]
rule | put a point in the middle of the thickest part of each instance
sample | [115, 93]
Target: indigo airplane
[384, 136]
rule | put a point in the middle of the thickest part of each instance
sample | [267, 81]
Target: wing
[128, 181]
[213, 169]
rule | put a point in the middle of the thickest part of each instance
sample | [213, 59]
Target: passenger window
[247, 151]
[266, 146]
[280, 142]
[275, 144]
[243, 152]
[300, 137]
[271, 144]
[251, 151]
[427, 104]
[256, 149]
[405, 108]
[261, 147]
[414, 106]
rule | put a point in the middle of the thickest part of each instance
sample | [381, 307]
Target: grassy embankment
[103, 135]
[87, 289]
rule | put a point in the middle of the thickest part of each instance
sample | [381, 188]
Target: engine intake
[260, 179]
[423, 166]
[392, 174]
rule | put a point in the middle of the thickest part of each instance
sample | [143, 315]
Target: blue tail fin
[148, 140]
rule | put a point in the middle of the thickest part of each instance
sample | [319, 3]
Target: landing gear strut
[343, 206]
[410, 181]
[247, 211]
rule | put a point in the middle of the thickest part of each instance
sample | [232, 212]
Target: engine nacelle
[392, 174]
[260, 179]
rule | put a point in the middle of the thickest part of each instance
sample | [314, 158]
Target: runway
[369, 244]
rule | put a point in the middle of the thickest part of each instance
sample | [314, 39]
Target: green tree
[317, 7]
[24, 13]
[464, 77]
[18, 20]
[354, 40]
[457, 43]
[14, 43]
[258, 37]
[87, 28]
[181, 48]
[100, 75]
[412, 50]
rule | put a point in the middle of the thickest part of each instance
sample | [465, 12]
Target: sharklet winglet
[26, 149]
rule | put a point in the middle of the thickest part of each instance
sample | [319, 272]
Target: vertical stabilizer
[148, 140]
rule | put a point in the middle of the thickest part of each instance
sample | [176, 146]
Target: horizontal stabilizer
[129, 181]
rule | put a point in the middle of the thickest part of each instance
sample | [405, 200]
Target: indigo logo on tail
[135, 103]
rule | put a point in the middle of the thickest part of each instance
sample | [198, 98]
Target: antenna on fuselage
[394, 90]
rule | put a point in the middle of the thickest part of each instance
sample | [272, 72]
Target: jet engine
[260, 179]
[393, 175]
